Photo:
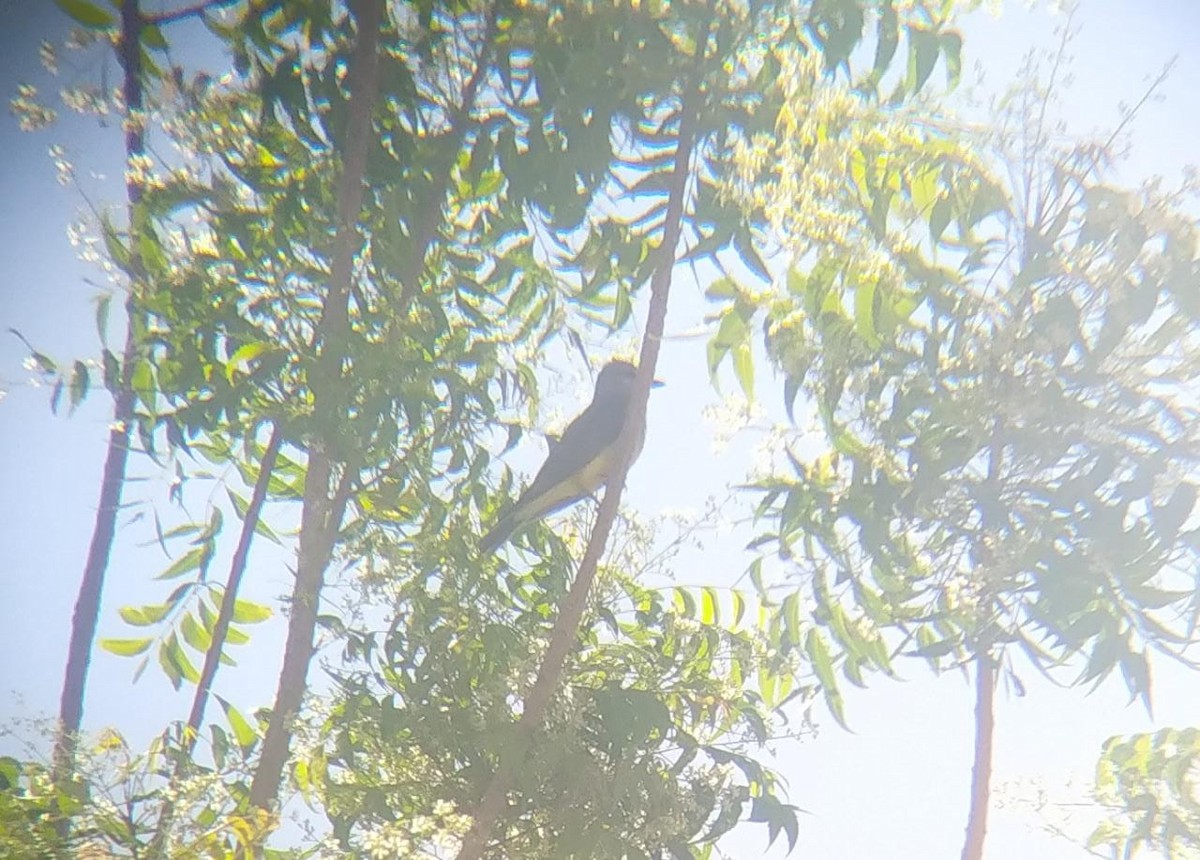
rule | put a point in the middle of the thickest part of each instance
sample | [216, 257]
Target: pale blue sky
[895, 788]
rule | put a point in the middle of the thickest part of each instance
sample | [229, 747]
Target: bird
[582, 460]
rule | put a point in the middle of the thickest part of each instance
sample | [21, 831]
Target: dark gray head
[616, 381]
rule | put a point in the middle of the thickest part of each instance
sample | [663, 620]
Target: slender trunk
[212, 657]
[91, 587]
[566, 628]
[319, 526]
[237, 569]
[322, 514]
[981, 772]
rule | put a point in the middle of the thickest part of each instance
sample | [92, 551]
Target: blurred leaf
[88, 14]
[125, 647]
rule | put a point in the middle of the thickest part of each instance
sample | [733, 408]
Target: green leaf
[1106, 833]
[791, 390]
[87, 14]
[212, 528]
[103, 303]
[246, 612]
[720, 289]
[489, 183]
[112, 371]
[922, 57]
[116, 248]
[623, 307]
[125, 647]
[889, 40]
[153, 38]
[733, 331]
[768, 682]
[755, 572]
[144, 616]
[195, 634]
[80, 383]
[743, 369]
[818, 653]
[790, 611]
[923, 188]
[243, 732]
[56, 395]
[142, 383]
[739, 608]
[1135, 666]
[241, 358]
[939, 219]
[685, 604]
[189, 561]
[951, 44]
[779, 817]
[176, 663]
[864, 313]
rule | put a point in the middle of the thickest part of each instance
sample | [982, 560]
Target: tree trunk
[233, 584]
[91, 587]
[319, 526]
[321, 517]
[566, 627]
[981, 772]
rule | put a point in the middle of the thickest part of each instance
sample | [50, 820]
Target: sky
[895, 787]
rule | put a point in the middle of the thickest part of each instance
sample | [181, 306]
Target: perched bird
[582, 460]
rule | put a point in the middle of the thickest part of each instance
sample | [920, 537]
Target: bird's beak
[657, 383]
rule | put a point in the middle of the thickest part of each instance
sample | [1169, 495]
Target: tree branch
[566, 628]
[426, 228]
[321, 515]
[237, 569]
[212, 657]
[196, 10]
[91, 587]
[981, 771]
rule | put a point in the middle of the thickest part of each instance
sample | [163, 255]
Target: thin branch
[91, 588]
[237, 570]
[426, 228]
[196, 10]
[981, 771]
[321, 515]
[566, 628]
[212, 657]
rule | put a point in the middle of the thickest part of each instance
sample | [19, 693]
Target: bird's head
[616, 380]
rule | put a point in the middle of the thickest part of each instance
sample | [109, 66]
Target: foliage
[1000, 373]
[113, 803]
[1149, 783]
[646, 749]
[516, 184]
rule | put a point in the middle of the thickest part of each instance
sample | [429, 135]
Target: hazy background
[895, 788]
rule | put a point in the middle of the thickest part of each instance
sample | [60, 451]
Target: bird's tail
[500, 532]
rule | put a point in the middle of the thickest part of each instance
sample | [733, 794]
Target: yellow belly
[583, 483]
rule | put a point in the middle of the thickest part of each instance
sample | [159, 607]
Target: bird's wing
[596, 429]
